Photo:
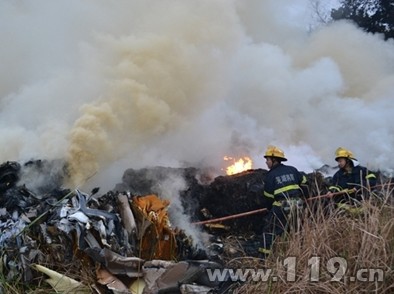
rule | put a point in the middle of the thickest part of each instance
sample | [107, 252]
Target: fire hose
[328, 195]
[230, 216]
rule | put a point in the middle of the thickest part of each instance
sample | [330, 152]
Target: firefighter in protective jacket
[351, 178]
[284, 190]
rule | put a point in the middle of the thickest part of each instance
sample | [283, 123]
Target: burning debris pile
[122, 241]
[205, 197]
[127, 240]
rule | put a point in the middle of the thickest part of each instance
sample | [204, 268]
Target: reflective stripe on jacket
[283, 182]
[357, 178]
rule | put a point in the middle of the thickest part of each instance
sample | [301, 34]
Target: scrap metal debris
[61, 233]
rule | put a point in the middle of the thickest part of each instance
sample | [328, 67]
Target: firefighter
[351, 178]
[284, 190]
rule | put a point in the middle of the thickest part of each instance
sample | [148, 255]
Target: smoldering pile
[126, 240]
[123, 241]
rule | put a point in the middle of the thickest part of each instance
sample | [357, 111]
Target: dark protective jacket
[359, 177]
[283, 182]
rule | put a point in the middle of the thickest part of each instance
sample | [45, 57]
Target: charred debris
[123, 241]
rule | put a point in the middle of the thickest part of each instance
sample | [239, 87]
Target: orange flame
[240, 165]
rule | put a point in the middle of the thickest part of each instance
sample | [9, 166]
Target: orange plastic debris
[157, 239]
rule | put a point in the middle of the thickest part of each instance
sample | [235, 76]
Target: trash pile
[122, 241]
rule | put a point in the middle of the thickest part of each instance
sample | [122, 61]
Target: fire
[240, 165]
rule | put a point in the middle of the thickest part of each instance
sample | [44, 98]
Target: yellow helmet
[342, 152]
[273, 151]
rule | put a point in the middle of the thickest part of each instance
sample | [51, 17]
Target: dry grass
[78, 267]
[363, 240]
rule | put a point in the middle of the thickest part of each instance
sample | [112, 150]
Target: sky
[111, 85]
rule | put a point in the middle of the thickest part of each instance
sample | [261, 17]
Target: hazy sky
[109, 85]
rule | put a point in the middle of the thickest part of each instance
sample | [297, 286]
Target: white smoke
[113, 85]
[170, 189]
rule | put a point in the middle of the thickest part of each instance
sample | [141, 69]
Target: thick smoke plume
[111, 85]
